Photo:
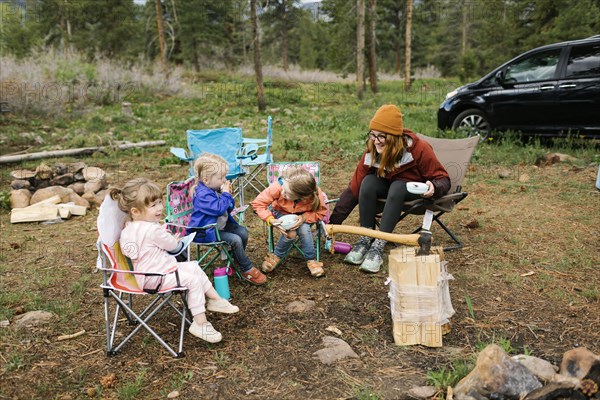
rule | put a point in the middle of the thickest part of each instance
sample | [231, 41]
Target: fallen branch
[73, 152]
[71, 336]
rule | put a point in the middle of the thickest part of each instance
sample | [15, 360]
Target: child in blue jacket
[213, 203]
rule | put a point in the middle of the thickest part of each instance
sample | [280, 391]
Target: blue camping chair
[226, 142]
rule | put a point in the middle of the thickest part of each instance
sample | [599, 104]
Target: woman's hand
[430, 191]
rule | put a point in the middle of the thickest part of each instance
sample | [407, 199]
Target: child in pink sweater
[147, 244]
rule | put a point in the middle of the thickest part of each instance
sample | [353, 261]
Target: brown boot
[316, 268]
[271, 261]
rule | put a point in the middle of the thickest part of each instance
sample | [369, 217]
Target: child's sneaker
[271, 261]
[221, 306]
[316, 268]
[254, 276]
[206, 332]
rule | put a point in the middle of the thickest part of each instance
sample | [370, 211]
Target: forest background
[450, 38]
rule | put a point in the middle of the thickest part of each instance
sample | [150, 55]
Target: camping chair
[119, 285]
[275, 173]
[455, 155]
[256, 155]
[179, 208]
[226, 142]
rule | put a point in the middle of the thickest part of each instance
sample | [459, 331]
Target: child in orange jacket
[297, 193]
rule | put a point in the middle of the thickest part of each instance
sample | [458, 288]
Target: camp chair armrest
[181, 154]
[205, 227]
[121, 271]
[456, 197]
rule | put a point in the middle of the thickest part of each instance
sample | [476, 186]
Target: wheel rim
[474, 124]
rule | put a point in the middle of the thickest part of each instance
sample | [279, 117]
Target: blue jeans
[307, 243]
[236, 236]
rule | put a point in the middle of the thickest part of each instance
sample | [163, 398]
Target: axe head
[424, 243]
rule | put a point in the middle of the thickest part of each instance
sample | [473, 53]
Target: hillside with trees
[459, 38]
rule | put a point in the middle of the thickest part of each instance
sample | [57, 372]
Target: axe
[421, 239]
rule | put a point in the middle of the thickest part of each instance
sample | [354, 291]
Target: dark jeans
[395, 193]
[237, 237]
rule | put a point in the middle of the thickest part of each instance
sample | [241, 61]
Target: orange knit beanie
[387, 119]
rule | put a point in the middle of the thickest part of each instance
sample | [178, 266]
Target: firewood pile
[49, 193]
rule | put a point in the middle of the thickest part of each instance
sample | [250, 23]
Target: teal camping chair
[226, 142]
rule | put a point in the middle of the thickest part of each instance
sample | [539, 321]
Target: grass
[324, 122]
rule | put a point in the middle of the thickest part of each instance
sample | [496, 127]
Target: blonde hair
[303, 185]
[388, 158]
[136, 193]
[208, 165]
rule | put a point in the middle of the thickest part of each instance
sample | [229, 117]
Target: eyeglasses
[377, 138]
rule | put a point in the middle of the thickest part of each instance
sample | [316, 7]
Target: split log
[73, 152]
[36, 213]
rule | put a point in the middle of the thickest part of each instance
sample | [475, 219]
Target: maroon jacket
[417, 164]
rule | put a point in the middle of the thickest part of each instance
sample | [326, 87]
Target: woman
[394, 156]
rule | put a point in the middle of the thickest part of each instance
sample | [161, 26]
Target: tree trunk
[372, 46]
[409, 5]
[360, 47]
[161, 37]
[257, 63]
[284, 45]
[465, 9]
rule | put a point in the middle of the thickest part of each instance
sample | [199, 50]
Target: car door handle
[547, 87]
[567, 85]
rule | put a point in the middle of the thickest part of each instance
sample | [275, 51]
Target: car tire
[472, 122]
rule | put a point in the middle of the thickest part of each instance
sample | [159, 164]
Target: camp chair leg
[143, 323]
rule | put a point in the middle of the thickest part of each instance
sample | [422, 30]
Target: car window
[537, 67]
[584, 61]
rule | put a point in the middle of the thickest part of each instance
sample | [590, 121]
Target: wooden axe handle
[410, 240]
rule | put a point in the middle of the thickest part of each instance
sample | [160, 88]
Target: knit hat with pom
[387, 119]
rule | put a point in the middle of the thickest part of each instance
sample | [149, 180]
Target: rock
[93, 199]
[40, 183]
[300, 306]
[74, 168]
[287, 111]
[22, 174]
[78, 200]
[335, 350]
[173, 395]
[61, 169]
[46, 193]
[496, 374]
[577, 362]
[542, 369]
[94, 186]
[44, 172]
[20, 184]
[102, 194]
[422, 392]
[79, 176]
[77, 187]
[62, 180]
[553, 391]
[93, 174]
[20, 198]
[504, 174]
[33, 318]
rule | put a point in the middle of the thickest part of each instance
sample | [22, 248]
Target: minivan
[552, 90]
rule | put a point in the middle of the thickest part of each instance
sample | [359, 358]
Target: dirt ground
[530, 267]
